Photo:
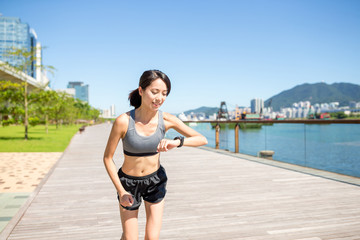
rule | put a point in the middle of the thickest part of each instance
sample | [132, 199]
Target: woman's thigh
[129, 222]
[154, 213]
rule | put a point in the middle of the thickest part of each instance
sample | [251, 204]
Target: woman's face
[154, 95]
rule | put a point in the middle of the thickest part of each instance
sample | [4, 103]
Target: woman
[142, 132]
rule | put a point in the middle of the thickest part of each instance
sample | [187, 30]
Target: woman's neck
[144, 115]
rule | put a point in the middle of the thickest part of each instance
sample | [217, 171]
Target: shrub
[8, 122]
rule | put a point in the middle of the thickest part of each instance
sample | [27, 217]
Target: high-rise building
[112, 110]
[257, 105]
[81, 90]
[15, 34]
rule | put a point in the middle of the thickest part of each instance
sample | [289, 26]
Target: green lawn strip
[12, 138]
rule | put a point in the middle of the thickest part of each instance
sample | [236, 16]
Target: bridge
[11, 74]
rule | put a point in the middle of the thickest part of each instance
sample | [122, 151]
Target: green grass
[12, 138]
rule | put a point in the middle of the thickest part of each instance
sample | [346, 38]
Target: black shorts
[152, 188]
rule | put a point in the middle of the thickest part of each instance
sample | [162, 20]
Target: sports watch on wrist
[181, 138]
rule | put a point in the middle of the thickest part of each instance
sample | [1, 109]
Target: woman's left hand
[167, 144]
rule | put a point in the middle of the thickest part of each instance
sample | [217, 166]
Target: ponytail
[135, 98]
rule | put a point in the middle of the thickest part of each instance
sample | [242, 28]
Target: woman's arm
[117, 132]
[193, 138]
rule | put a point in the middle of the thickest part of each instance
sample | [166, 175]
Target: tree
[11, 94]
[85, 111]
[46, 105]
[25, 59]
[94, 114]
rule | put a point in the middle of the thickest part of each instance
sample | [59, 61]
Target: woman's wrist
[122, 192]
[181, 139]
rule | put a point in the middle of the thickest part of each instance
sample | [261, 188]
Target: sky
[212, 50]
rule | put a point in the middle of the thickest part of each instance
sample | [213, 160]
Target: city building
[334, 105]
[105, 113]
[108, 113]
[257, 105]
[15, 34]
[81, 90]
[354, 104]
[236, 114]
[112, 110]
[182, 117]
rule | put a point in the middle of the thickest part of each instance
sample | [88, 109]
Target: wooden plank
[210, 196]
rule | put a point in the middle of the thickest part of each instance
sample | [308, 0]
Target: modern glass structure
[15, 34]
[81, 90]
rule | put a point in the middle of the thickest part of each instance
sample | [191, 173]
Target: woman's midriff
[140, 166]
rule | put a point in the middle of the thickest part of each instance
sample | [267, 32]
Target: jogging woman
[141, 177]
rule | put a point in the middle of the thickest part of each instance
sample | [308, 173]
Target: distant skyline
[213, 51]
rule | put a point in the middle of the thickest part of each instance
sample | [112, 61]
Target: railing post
[237, 138]
[217, 138]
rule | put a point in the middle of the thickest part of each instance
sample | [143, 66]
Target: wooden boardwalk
[210, 196]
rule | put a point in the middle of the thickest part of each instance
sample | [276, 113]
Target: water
[330, 147]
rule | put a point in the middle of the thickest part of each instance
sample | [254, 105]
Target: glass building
[81, 90]
[15, 34]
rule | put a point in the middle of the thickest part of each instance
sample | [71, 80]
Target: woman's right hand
[126, 199]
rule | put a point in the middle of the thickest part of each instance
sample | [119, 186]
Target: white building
[105, 113]
[288, 112]
[213, 116]
[257, 105]
[324, 107]
[112, 110]
[182, 117]
[108, 113]
[334, 105]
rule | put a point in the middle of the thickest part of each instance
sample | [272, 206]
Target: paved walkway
[210, 196]
[20, 174]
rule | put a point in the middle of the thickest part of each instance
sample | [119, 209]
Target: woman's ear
[140, 91]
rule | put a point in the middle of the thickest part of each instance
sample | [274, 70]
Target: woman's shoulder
[121, 124]
[168, 117]
[123, 119]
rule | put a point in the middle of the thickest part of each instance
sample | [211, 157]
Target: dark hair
[145, 80]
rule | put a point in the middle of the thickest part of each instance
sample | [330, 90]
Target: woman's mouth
[156, 104]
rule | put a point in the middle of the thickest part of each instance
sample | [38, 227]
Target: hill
[207, 110]
[316, 93]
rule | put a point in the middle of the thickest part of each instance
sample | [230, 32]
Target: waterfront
[210, 196]
[330, 147]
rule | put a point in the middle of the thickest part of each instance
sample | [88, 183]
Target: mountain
[207, 110]
[316, 93]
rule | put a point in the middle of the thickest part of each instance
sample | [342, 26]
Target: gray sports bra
[135, 144]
